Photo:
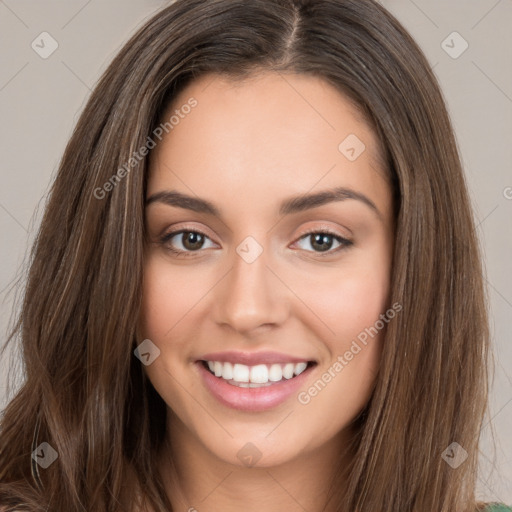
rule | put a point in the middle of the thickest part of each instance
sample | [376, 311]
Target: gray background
[40, 100]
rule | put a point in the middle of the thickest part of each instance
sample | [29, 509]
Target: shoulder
[497, 507]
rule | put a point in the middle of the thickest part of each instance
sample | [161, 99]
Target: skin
[246, 147]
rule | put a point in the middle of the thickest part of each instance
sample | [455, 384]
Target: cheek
[169, 294]
[356, 302]
[344, 383]
[362, 299]
[348, 299]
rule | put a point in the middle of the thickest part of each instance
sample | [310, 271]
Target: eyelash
[344, 242]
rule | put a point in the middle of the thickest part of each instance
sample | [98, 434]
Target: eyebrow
[289, 206]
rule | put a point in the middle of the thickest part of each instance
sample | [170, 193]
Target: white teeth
[249, 384]
[255, 376]
[275, 373]
[227, 371]
[241, 373]
[259, 374]
[299, 368]
[288, 370]
[217, 368]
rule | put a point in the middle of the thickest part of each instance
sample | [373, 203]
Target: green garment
[497, 507]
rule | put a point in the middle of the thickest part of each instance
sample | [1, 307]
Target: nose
[251, 296]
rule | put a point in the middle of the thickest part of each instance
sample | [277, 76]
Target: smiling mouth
[260, 375]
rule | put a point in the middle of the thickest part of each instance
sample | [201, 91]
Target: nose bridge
[251, 295]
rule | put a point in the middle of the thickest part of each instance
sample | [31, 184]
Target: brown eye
[192, 240]
[184, 241]
[322, 242]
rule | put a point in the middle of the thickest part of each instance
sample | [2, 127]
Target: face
[267, 268]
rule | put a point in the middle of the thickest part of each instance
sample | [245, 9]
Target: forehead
[297, 106]
[269, 132]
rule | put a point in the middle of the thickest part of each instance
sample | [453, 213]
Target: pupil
[193, 240]
[323, 241]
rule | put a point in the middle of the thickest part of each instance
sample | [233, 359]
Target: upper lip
[253, 358]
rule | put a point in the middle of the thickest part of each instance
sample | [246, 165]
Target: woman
[257, 283]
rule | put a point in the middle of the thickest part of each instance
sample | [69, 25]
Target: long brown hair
[84, 392]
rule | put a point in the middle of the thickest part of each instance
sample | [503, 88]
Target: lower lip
[251, 399]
